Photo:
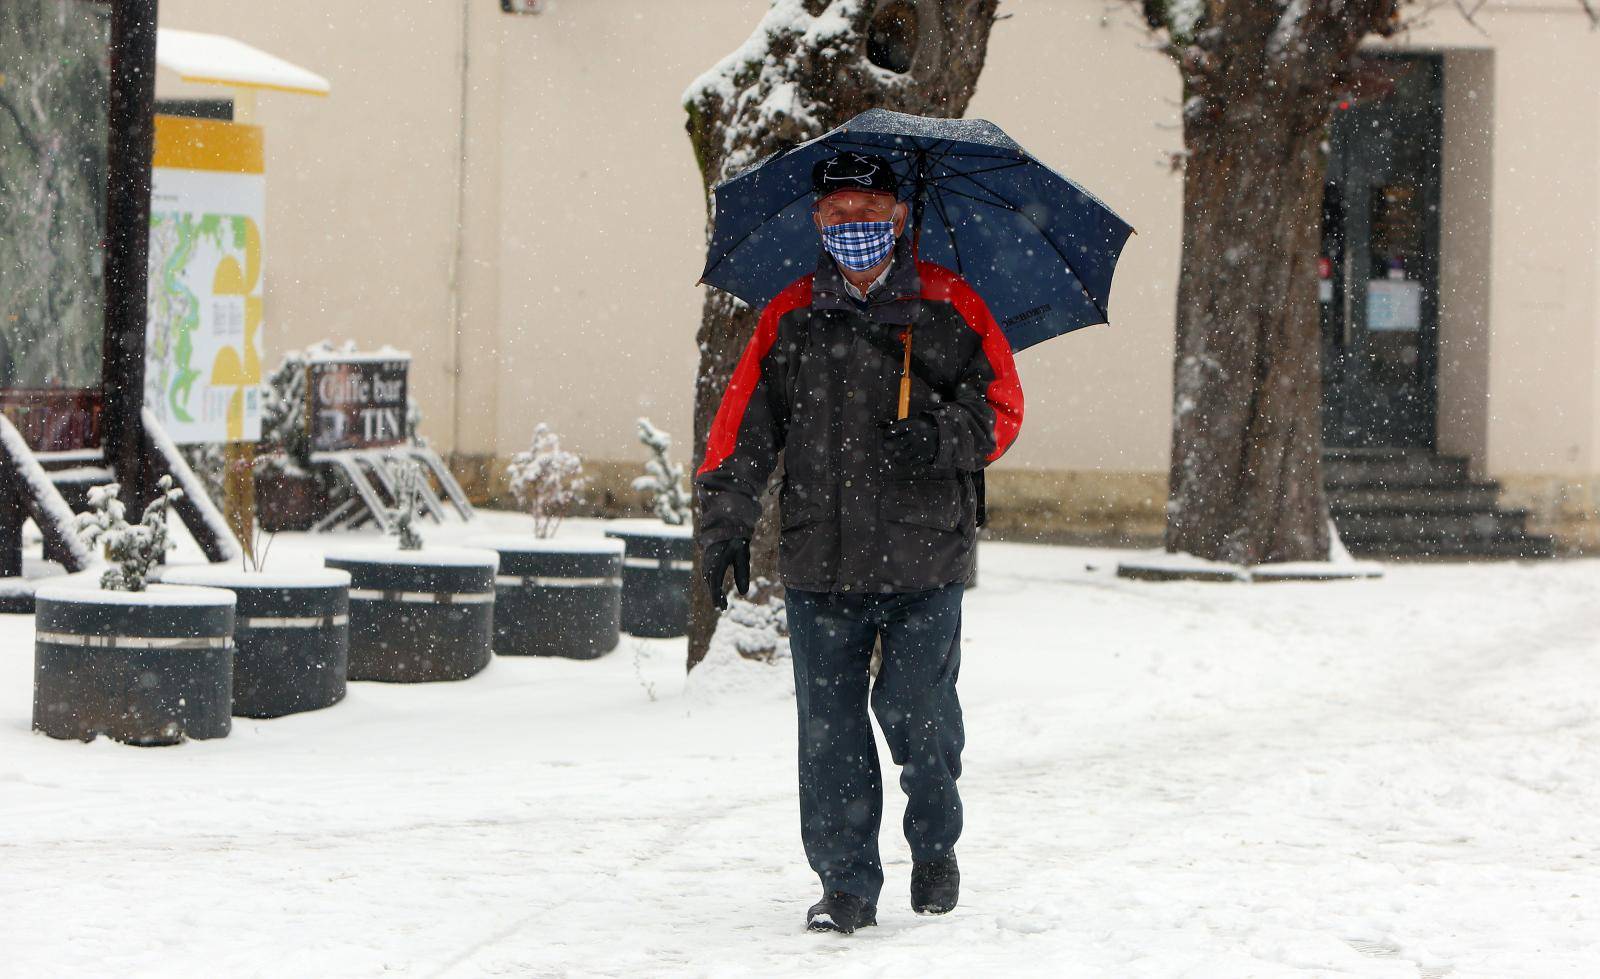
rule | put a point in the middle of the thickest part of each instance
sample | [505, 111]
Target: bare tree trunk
[1259, 83]
[818, 63]
[1246, 480]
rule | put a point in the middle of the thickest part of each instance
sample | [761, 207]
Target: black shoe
[840, 911]
[935, 885]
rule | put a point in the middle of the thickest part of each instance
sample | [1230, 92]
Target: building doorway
[1379, 272]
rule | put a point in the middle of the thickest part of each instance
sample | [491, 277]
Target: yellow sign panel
[207, 211]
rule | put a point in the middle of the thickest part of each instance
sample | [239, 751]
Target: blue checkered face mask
[859, 245]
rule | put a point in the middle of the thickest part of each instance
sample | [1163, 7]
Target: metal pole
[130, 131]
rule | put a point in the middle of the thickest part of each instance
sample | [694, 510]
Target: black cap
[854, 171]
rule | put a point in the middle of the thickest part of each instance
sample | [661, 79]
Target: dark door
[1380, 268]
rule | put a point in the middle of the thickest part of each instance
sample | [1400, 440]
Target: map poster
[203, 346]
[357, 402]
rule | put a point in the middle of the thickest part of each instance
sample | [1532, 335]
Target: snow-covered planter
[147, 667]
[556, 597]
[138, 664]
[418, 615]
[291, 635]
[656, 576]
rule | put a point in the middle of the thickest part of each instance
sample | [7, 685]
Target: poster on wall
[204, 345]
[1394, 306]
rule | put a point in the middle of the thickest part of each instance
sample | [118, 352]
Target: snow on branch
[1287, 29]
[762, 86]
[1182, 16]
[729, 78]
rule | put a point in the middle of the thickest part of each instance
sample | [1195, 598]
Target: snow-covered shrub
[285, 438]
[663, 478]
[756, 630]
[132, 549]
[748, 657]
[407, 476]
[546, 480]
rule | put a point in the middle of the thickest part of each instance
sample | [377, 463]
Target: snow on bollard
[291, 635]
[656, 574]
[419, 615]
[149, 667]
[556, 597]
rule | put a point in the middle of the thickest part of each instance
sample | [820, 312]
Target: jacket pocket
[934, 503]
[808, 542]
[799, 506]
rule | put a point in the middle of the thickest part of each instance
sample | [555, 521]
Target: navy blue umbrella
[1038, 248]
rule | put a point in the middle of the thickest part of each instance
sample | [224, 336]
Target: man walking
[879, 519]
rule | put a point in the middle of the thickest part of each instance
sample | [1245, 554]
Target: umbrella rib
[949, 229]
[969, 173]
[951, 148]
[742, 238]
[937, 152]
[876, 147]
[999, 201]
[1105, 317]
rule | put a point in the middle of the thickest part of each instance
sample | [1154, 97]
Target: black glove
[721, 555]
[911, 441]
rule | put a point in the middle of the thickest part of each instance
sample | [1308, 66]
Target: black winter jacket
[816, 381]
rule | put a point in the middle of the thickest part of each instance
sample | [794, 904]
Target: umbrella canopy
[1037, 247]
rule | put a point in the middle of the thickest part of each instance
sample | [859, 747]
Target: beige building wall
[602, 218]
[1466, 254]
[568, 295]
[360, 185]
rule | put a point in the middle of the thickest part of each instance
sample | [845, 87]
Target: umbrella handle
[905, 378]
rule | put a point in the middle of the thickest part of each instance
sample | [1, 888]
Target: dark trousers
[914, 698]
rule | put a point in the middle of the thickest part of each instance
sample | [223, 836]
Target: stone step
[1410, 469]
[1470, 525]
[1464, 497]
[1378, 452]
[1395, 502]
[1510, 546]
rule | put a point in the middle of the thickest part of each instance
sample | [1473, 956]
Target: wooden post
[239, 458]
[239, 490]
[130, 140]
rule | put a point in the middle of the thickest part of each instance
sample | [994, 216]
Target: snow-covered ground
[1393, 778]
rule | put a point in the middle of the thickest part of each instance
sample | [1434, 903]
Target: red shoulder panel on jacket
[724, 434]
[1005, 389]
